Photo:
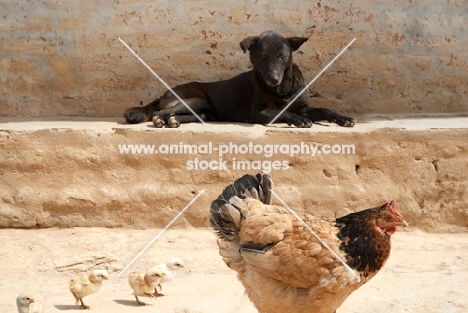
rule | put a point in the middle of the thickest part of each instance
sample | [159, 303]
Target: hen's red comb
[391, 206]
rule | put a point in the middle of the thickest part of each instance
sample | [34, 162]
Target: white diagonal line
[162, 81]
[311, 82]
[315, 234]
[160, 233]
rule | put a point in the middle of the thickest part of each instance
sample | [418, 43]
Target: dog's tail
[141, 114]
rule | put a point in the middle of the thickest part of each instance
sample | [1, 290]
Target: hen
[281, 261]
[86, 284]
[145, 282]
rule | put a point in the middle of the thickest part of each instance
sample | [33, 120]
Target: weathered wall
[64, 177]
[62, 58]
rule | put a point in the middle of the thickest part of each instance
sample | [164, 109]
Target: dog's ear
[248, 42]
[296, 42]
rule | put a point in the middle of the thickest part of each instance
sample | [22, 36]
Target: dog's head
[271, 54]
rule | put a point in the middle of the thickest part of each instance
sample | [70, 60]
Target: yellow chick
[27, 304]
[169, 271]
[145, 282]
[81, 286]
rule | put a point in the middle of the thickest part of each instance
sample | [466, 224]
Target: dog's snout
[274, 81]
[275, 78]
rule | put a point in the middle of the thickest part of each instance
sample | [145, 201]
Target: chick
[81, 286]
[27, 304]
[145, 282]
[169, 270]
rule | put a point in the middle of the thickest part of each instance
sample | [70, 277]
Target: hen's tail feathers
[224, 217]
[140, 114]
[257, 187]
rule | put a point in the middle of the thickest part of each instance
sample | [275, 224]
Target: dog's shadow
[294, 127]
[239, 125]
[213, 123]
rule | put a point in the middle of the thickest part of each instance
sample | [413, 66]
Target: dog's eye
[282, 56]
[264, 56]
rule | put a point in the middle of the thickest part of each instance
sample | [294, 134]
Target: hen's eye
[264, 56]
[388, 218]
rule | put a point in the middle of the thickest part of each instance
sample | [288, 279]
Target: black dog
[254, 97]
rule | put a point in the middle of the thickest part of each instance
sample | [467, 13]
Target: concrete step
[76, 173]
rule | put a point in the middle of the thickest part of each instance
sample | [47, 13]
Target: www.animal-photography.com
[215, 157]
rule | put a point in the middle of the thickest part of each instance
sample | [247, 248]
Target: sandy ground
[425, 273]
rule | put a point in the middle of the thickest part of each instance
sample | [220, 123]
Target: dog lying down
[254, 97]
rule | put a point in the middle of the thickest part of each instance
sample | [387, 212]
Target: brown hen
[287, 265]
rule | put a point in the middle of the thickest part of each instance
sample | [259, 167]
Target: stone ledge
[71, 173]
[364, 124]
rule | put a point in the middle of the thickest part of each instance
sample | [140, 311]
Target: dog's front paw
[158, 121]
[172, 122]
[344, 121]
[301, 122]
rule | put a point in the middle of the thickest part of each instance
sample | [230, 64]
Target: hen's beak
[31, 300]
[403, 223]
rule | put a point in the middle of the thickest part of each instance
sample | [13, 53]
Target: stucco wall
[62, 58]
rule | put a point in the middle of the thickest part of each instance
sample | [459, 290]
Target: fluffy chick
[145, 282]
[26, 303]
[169, 270]
[81, 286]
